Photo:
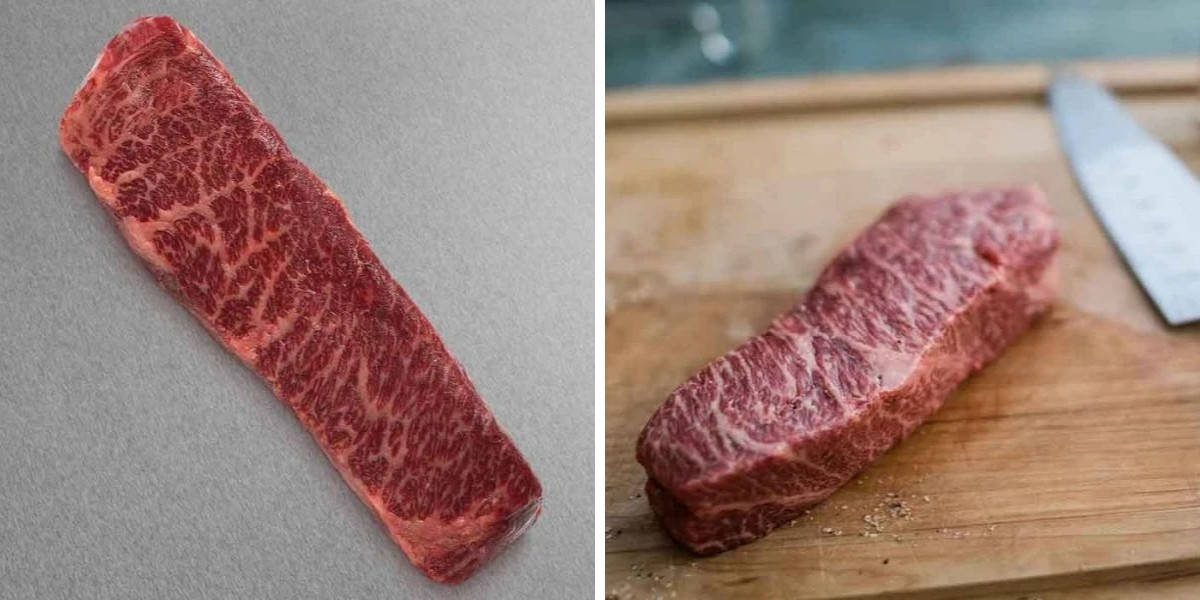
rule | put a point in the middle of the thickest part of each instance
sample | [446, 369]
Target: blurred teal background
[671, 42]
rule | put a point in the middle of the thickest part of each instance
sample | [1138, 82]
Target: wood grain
[1069, 462]
[841, 92]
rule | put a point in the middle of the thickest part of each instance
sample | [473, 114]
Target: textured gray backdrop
[140, 460]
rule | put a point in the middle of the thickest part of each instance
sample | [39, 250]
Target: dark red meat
[930, 293]
[264, 255]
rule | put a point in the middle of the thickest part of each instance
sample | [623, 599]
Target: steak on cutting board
[264, 255]
[930, 293]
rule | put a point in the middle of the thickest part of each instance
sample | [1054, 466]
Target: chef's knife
[1147, 200]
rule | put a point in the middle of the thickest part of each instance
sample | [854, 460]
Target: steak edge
[927, 295]
[264, 255]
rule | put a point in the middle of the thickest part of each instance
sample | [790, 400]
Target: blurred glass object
[705, 18]
[713, 44]
[676, 42]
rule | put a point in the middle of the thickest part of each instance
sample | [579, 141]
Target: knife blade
[1145, 197]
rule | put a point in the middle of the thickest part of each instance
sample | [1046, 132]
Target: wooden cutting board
[1074, 460]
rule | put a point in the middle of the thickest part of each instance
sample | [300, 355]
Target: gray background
[138, 459]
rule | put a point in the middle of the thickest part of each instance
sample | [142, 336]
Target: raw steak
[927, 295]
[264, 255]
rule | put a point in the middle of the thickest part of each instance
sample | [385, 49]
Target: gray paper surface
[138, 459]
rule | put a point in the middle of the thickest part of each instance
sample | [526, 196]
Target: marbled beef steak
[263, 254]
[929, 294]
